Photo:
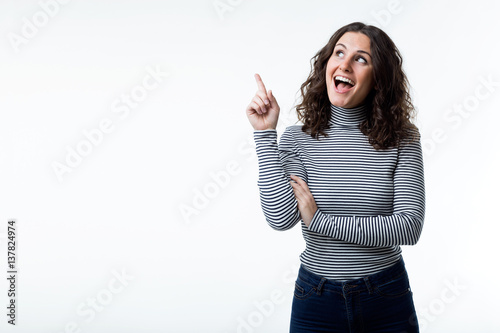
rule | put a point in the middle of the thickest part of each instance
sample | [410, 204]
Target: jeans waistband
[365, 283]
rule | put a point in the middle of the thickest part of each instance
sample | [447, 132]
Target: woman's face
[350, 61]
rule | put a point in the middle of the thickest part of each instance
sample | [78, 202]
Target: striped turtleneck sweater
[369, 201]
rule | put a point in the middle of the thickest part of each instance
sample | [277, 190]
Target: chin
[346, 102]
[341, 102]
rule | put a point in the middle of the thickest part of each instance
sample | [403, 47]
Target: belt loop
[320, 286]
[368, 285]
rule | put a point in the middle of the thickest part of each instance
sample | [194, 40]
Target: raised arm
[275, 166]
[275, 163]
[404, 226]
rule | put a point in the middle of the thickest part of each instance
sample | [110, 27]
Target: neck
[347, 117]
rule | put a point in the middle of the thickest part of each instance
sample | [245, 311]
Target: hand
[305, 200]
[263, 111]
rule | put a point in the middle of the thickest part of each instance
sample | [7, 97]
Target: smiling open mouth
[343, 84]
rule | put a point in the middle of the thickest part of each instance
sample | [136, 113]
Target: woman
[353, 175]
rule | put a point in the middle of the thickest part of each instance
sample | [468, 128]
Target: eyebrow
[359, 51]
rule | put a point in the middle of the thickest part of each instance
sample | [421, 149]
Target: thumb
[273, 101]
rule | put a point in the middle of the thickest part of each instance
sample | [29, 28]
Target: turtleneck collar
[347, 117]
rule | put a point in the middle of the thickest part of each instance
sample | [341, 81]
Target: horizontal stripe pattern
[370, 202]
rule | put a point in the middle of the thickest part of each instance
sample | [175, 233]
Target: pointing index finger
[260, 84]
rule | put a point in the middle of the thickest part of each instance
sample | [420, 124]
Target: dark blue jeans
[382, 302]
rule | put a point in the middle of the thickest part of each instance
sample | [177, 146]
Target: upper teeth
[341, 78]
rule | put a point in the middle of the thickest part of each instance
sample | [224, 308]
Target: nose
[345, 65]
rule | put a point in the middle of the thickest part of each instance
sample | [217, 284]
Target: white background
[220, 267]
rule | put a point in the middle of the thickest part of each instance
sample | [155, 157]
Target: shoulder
[411, 136]
[415, 132]
[411, 147]
[293, 130]
[292, 135]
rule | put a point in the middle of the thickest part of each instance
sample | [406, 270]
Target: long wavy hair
[390, 109]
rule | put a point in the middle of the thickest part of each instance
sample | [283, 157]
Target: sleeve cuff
[315, 222]
[265, 136]
[333, 226]
[265, 131]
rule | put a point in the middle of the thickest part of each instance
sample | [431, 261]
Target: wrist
[266, 129]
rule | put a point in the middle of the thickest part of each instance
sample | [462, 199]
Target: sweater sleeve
[404, 226]
[276, 163]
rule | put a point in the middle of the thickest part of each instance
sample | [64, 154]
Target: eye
[340, 53]
[362, 60]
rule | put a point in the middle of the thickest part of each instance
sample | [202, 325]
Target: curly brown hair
[389, 105]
